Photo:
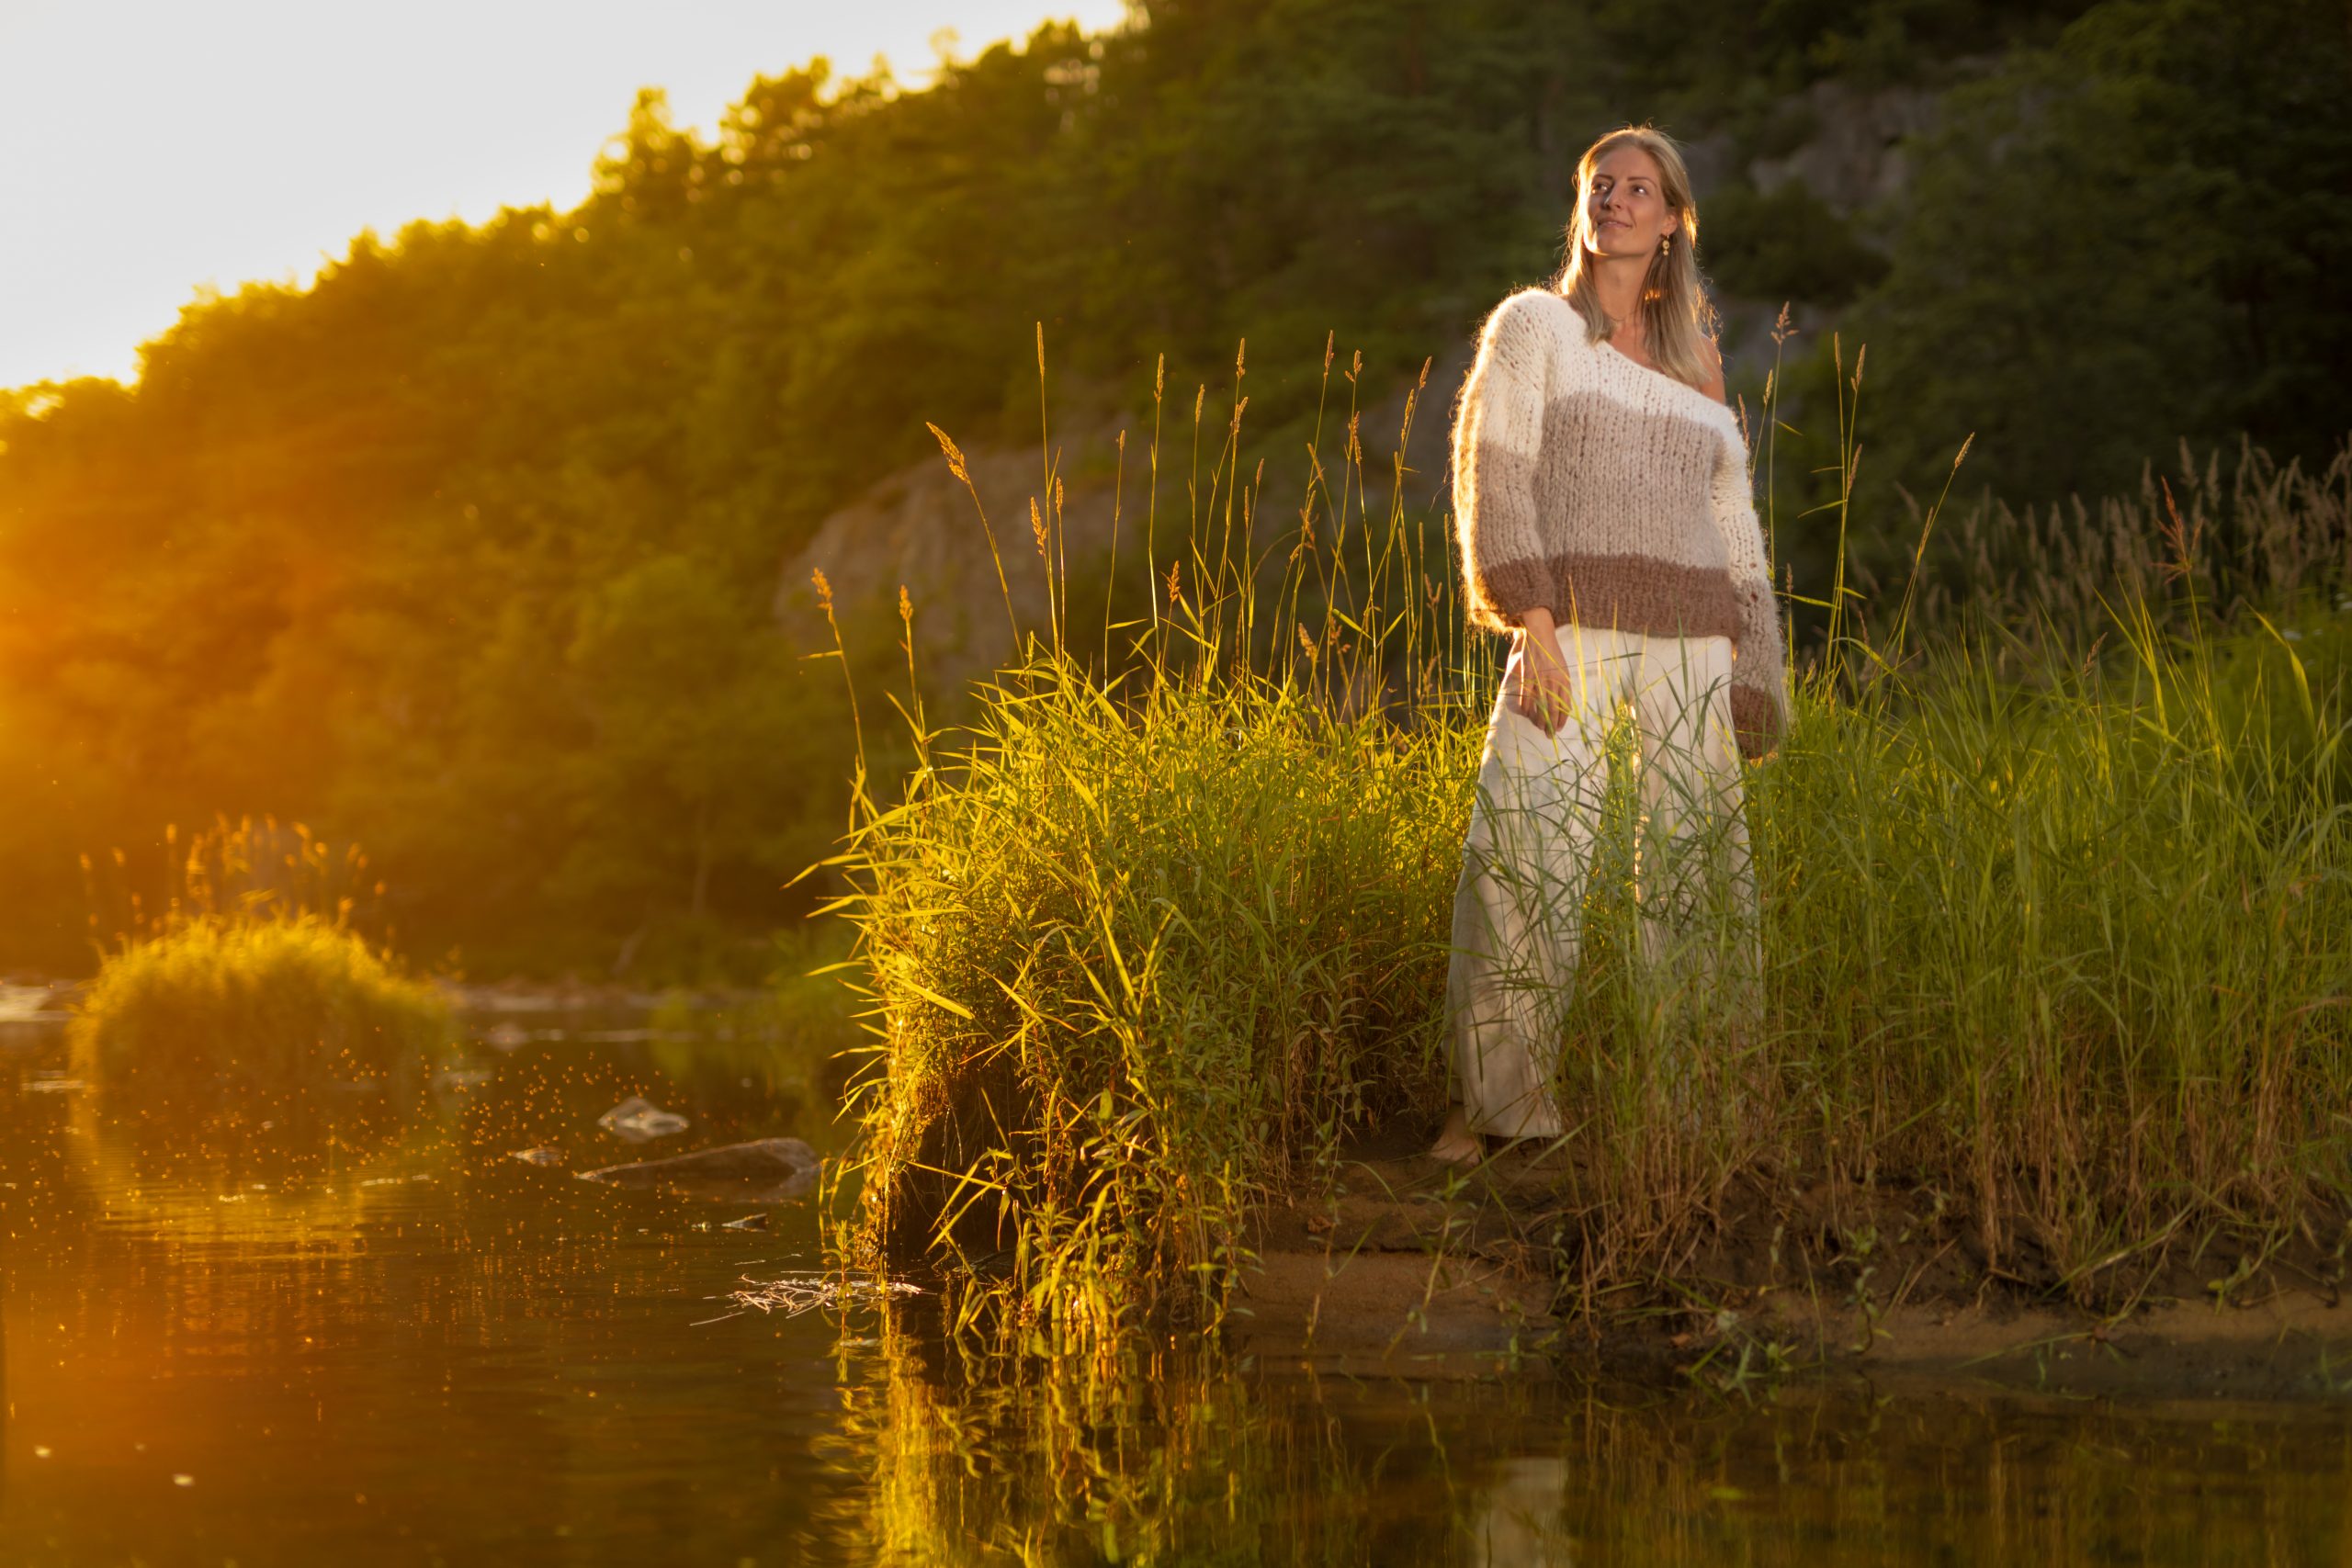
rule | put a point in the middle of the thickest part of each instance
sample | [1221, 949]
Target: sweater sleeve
[1497, 441]
[1759, 695]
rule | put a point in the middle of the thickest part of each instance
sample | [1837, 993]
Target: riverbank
[2054, 920]
[1409, 1266]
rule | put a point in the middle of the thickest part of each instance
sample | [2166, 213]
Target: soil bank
[1409, 1266]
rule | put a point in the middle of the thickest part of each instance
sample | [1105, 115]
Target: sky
[149, 147]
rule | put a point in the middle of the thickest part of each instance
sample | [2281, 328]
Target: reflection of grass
[1055, 1461]
[1160, 1459]
[270, 1003]
[1169, 1465]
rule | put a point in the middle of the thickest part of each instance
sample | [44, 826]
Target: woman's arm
[1759, 695]
[1545, 693]
[1497, 441]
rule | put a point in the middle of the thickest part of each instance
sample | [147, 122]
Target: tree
[2135, 236]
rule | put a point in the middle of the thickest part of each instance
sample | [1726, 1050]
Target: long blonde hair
[1677, 316]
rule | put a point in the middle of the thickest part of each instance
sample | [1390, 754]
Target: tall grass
[2057, 921]
[243, 965]
[243, 870]
[2076, 949]
[264, 1005]
[2250, 532]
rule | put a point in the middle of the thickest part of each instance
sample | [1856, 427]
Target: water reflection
[377, 1338]
[366, 1333]
[1159, 1465]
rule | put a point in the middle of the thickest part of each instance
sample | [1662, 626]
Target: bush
[265, 1004]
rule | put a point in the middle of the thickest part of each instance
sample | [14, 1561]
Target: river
[329, 1334]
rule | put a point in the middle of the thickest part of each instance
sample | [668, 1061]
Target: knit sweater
[1612, 495]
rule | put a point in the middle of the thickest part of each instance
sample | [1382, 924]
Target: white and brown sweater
[1612, 495]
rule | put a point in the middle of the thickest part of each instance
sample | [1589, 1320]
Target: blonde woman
[1601, 497]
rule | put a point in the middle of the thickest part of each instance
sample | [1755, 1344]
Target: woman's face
[1625, 210]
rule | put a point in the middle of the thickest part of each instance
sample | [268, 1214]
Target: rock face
[920, 529]
[1854, 159]
[766, 1170]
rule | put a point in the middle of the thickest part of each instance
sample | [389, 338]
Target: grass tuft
[269, 1004]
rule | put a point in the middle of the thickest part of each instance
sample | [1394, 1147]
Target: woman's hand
[1547, 695]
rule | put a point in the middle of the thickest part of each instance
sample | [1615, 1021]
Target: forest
[471, 551]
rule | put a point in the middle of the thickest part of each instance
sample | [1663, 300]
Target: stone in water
[766, 1170]
[639, 1120]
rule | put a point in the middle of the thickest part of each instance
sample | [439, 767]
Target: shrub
[258, 1003]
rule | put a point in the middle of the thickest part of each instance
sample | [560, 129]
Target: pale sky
[149, 146]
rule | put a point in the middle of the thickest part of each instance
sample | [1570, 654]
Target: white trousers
[1518, 906]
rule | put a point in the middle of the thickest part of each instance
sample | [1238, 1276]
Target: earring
[1665, 244]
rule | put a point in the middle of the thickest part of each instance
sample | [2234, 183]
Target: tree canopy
[468, 550]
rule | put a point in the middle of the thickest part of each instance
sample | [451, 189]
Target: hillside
[473, 551]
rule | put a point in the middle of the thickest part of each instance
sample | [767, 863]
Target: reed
[2057, 921]
[245, 963]
[246, 869]
[260, 1004]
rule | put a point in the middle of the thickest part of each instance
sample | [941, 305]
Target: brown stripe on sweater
[1756, 716]
[1629, 592]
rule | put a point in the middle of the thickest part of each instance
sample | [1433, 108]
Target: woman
[1601, 495]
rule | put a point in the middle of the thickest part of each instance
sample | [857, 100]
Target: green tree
[2132, 237]
[699, 728]
[466, 550]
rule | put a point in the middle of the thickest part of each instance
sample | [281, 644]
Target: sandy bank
[1405, 1268]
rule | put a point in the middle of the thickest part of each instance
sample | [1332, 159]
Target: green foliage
[1785, 244]
[271, 1006]
[2124, 240]
[416, 554]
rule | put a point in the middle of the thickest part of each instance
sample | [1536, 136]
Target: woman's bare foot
[1457, 1143]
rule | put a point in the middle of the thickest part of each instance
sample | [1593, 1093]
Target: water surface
[336, 1331]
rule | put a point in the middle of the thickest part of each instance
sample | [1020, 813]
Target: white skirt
[1518, 906]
